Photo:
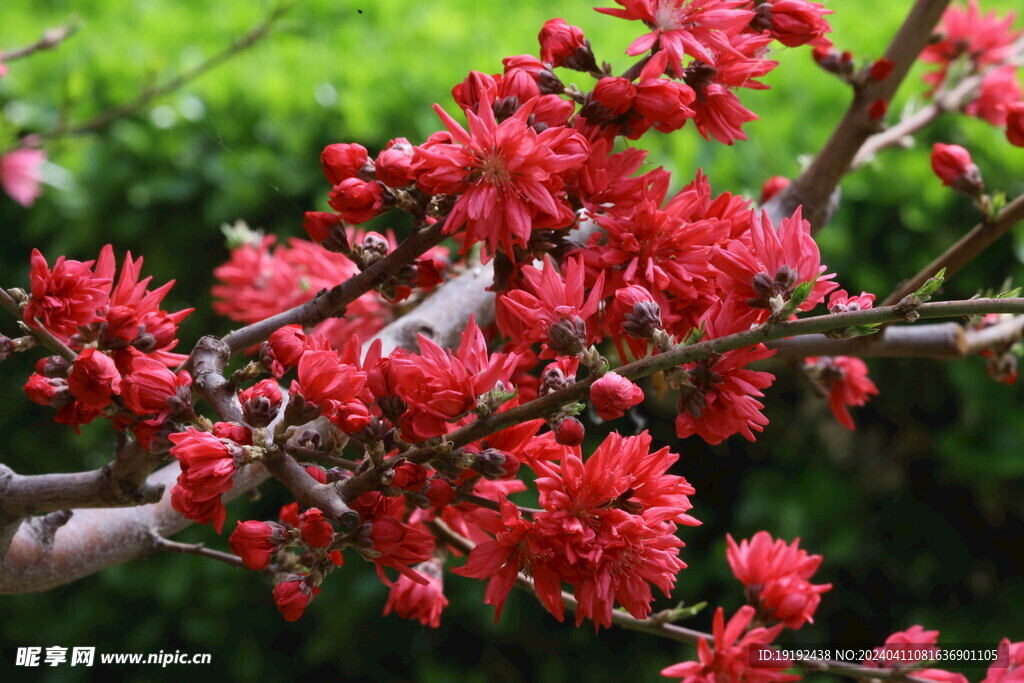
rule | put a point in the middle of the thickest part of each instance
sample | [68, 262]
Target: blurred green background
[918, 513]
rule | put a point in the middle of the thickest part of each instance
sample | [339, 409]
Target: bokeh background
[918, 513]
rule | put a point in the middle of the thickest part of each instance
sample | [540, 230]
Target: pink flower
[1015, 124]
[906, 648]
[1009, 664]
[984, 40]
[94, 378]
[776, 578]
[955, 168]
[796, 22]
[846, 379]
[549, 299]
[422, 602]
[765, 271]
[19, 174]
[729, 659]
[999, 89]
[293, 595]
[613, 395]
[698, 29]
[508, 176]
[65, 298]
[256, 542]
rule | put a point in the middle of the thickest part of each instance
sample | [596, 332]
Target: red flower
[549, 298]
[19, 172]
[343, 161]
[699, 29]
[65, 298]
[293, 595]
[846, 379]
[260, 402]
[147, 384]
[1015, 124]
[47, 391]
[315, 529]
[326, 381]
[985, 40]
[94, 378]
[357, 201]
[256, 542]
[413, 600]
[560, 41]
[508, 176]
[662, 101]
[776, 577]
[613, 395]
[729, 660]
[906, 648]
[207, 464]
[773, 186]
[394, 164]
[1009, 664]
[399, 546]
[195, 507]
[288, 344]
[439, 386]
[570, 432]
[797, 22]
[955, 168]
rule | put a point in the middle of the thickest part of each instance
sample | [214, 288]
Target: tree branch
[94, 539]
[50, 39]
[108, 116]
[670, 631]
[551, 403]
[965, 250]
[814, 187]
[199, 549]
[943, 341]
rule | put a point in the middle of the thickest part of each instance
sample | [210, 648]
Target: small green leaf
[931, 285]
[799, 295]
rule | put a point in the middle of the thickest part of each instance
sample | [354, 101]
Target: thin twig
[40, 334]
[161, 543]
[111, 114]
[965, 250]
[50, 39]
[662, 629]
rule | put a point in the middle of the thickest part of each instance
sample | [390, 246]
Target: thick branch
[206, 365]
[98, 538]
[120, 483]
[50, 39]
[942, 341]
[816, 184]
[308, 491]
[332, 302]
[966, 249]
[551, 403]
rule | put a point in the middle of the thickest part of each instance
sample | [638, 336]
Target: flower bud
[293, 595]
[53, 366]
[260, 403]
[256, 542]
[315, 529]
[570, 432]
[356, 200]
[327, 230]
[773, 186]
[954, 167]
[613, 395]
[343, 161]
[568, 337]
[6, 347]
[1015, 123]
[394, 164]
[564, 45]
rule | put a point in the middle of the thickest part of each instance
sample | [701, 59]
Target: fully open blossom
[1009, 664]
[906, 648]
[422, 602]
[439, 386]
[399, 546]
[776, 577]
[508, 176]
[698, 28]
[728, 659]
[325, 380]
[66, 297]
[549, 298]
[847, 382]
[19, 174]
[94, 378]
[765, 270]
[985, 40]
[147, 384]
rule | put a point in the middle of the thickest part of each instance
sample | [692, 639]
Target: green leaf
[931, 285]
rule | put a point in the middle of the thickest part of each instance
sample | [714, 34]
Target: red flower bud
[560, 41]
[613, 395]
[773, 186]
[570, 432]
[1015, 124]
[394, 164]
[293, 595]
[343, 161]
[955, 168]
[357, 201]
[256, 542]
[94, 378]
[288, 344]
[881, 69]
[315, 529]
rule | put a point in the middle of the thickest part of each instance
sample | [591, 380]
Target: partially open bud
[256, 542]
[955, 168]
[342, 161]
[327, 230]
[260, 403]
[562, 44]
[315, 529]
[613, 395]
[293, 595]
